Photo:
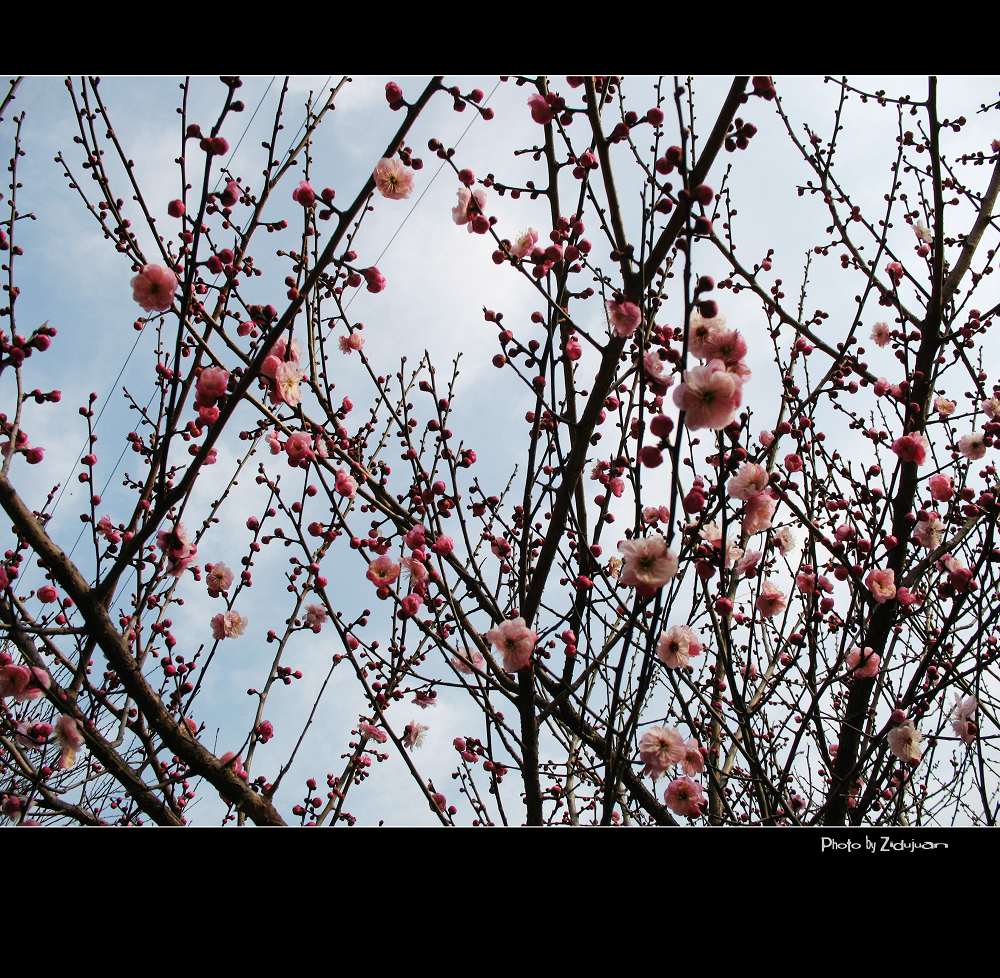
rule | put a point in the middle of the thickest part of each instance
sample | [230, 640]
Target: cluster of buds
[742, 134]
[545, 108]
[33, 454]
[212, 145]
[763, 86]
[394, 96]
[260, 318]
[653, 117]
[651, 455]
[702, 194]
[13, 352]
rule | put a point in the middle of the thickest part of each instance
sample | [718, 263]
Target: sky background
[439, 280]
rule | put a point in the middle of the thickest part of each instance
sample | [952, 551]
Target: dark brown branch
[173, 732]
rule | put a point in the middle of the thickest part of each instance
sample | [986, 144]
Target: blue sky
[439, 279]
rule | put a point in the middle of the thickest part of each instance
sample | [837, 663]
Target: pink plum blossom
[287, 380]
[771, 599]
[750, 480]
[469, 662]
[372, 732]
[729, 346]
[701, 332]
[212, 383]
[304, 195]
[541, 111]
[929, 532]
[746, 565]
[624, 316]
[47, 594]
[677, 646]
[393, 179]
[659, 749]
[416, 570]
[882, 584]
[351, 343]
[881, 334]
[863, 664]
[757, 514]
[694, 759]
[524, 244]
[219, 578]
[710, 396]
[656, 368]
[786, 539]
[959, 575]
[33, 736]
[443, 545]
[23, 683]
[153, 288]
[316, 617]
[515, 642]
[414, 734]
[345, 484]
[471, 204]
[278, 353]
[972, 446]
[179, 550]
[656, 514]
[904, 741]
[70, 739]
[685, 797]
[299, 448]
[911, 448]
[649, 564]
[229, 624]
[940, 487]
[962, 722]
[374, 280]
[383, 571]
[108, 530]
